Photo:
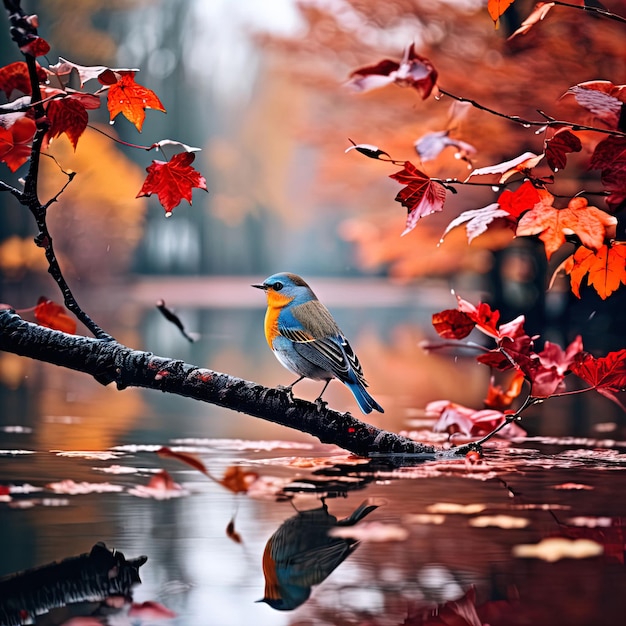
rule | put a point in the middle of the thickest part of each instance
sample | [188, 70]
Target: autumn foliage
[67, 112]
[528, 209]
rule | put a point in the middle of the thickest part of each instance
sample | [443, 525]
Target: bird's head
[285, 287]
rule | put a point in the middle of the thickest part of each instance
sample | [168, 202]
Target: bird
[302, 553]
[306, 340]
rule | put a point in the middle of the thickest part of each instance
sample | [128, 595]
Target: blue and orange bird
[306, 339]
[303, 553]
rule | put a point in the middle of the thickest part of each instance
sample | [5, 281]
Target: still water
[448, 542]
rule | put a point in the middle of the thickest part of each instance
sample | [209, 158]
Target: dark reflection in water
[98, 582]
[303, 552]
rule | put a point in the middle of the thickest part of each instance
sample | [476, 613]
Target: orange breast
[275, 303]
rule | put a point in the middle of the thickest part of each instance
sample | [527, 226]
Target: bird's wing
[311, 567]
[317, 338]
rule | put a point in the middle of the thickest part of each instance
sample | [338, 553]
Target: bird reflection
[302, 553]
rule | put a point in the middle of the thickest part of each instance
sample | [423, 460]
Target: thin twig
[591, 9]
[528, 123]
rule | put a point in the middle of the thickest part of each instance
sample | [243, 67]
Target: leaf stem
[121, 141]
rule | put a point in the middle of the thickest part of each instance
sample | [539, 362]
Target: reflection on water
[101, 579]
[459, 523]
[304, 551]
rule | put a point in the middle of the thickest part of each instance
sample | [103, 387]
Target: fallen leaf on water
[500, 521]
[557, 548]
[452, 507]
[160, 487]
[72, 488]
[374, 532]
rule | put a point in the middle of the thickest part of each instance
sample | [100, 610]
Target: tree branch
[110, 361]
[529, 123]
[23, 31]
[594, 10]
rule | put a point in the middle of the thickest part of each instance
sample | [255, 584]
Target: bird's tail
[365, 508]
[366, 403]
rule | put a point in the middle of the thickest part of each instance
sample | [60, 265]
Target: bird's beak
[261, 286]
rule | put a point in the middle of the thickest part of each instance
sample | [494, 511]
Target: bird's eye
[277, 286]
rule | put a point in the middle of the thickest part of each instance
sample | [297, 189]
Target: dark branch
[23, 32]
[111, 362]
[529, 123]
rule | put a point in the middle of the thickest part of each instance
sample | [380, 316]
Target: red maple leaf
[69, 115]
[14, 77]
[131, 100]
[421, 196]
[172, 180]
[555, 148]
[453, 324]
[53, 315]
[610, 157]
[483, 316]
[546, 373]
[524, 198]
[606, 374]
[413, 71]
[16, 142]
[36, 47]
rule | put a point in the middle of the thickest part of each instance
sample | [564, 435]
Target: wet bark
[111, 362]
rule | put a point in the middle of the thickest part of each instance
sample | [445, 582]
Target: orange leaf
[132, 100]
[172, 180]
[606, 269]
[589, 223]
[237, 480]
[53, 315]
[497, 7]
[499, 398]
